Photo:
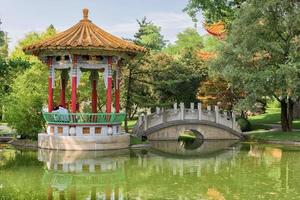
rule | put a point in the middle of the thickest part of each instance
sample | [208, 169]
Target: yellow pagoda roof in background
[205, 55]
[216, 29]
[85, 35]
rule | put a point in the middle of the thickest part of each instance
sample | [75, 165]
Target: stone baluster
[175, 107]
[182, 111]
[157, 110]
[164, 115]
[233, 120]
[145, 122]
[217, 113]
[192, 107]
[200, 111]
[208, 108]
[141, 119]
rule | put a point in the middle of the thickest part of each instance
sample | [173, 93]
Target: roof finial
[85, 12]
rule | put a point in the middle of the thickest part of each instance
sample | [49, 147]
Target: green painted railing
[84, 118]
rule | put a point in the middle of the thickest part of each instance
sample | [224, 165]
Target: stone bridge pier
[209, 124]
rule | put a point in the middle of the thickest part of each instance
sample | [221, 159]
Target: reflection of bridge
[168, 124]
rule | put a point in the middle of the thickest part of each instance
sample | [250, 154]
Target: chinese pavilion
[84, 47]
[216, 30]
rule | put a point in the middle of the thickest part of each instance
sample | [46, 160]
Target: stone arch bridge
[209, 124]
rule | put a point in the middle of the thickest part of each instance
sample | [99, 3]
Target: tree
[24, 88]
[23, 106]
[149, 35]
[261, 54]
[188, 39]
[176, 80]
[136, 86]
[3, 43]
[214, 11]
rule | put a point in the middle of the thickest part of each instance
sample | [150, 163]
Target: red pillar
[50, 87]
[74, 84]
[117, 89]
[63, 91]
[109, 86]
[94, 96]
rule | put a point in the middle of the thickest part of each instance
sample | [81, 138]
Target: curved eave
[54, 51]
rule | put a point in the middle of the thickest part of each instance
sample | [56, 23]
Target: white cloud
[171, 24]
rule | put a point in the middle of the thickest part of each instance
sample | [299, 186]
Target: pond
[216, 170]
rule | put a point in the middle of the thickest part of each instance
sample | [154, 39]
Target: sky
[115, 16]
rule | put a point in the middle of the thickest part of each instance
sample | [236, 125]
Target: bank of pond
[167, 170]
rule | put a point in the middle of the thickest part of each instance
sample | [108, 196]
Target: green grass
[260, 127]
[272, 116]
[276, 135]
[131, 124]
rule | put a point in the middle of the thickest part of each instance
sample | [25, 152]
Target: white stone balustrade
[188, 114]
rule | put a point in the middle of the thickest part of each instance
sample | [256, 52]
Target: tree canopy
[149, 35]
[261, 54]
[213, 11]
[188, 39]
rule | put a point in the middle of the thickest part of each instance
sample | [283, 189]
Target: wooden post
[109, 85]
[50, 86]
[117, 88]
[74, 84]
[94, 96]
[94, 79]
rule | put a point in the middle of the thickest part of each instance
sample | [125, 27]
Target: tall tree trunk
[284, 116]
[127, 103]
[287, 109]
[290, 114]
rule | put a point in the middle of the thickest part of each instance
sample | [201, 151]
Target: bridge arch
[167, 124]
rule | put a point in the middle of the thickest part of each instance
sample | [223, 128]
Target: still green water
[169, 170]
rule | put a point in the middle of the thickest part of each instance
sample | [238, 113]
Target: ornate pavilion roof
[84, 35]
[217, 29]
[205, 55]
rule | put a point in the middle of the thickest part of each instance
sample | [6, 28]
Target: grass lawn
[272, 116]
[276, 135]
[131, 124]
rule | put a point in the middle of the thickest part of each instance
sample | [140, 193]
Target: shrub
[23, 106]
[244, 124]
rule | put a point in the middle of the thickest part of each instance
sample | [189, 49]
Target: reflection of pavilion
[79, 175]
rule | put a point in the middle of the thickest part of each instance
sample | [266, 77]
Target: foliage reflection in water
[211, 170]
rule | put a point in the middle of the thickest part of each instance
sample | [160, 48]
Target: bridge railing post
[217, 114]
[157, 111]
[199, 111]
[182, 111]
[233, 120]
[192, 107]
[175, 107]
[145, 122]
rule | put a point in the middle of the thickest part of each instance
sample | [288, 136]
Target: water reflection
[88, 174]
[215, 171]
[195, 147]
